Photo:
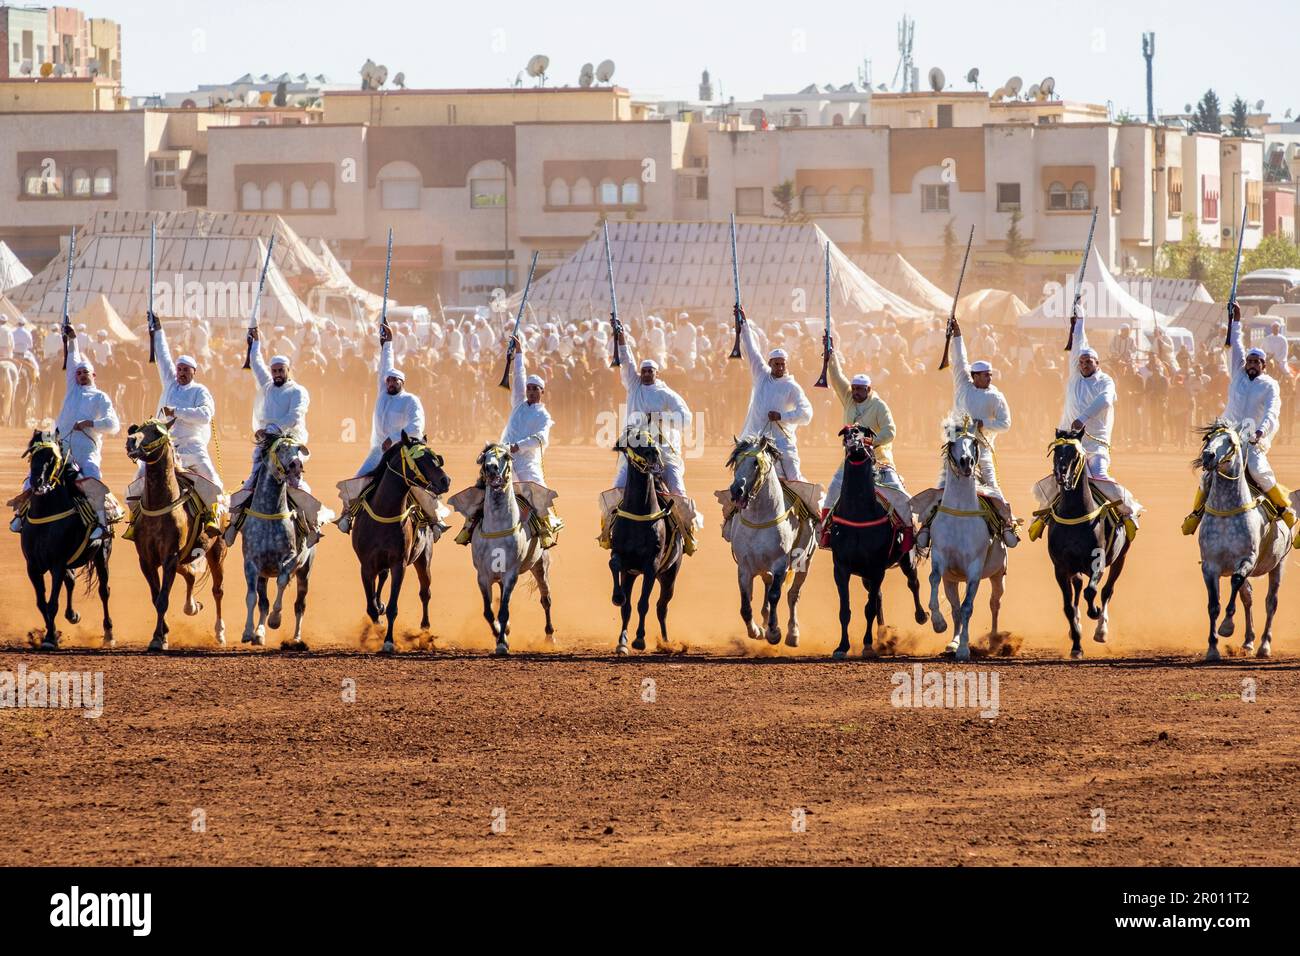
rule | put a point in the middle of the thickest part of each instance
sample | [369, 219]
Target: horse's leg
[300, 604]
[192, 607]
[623, 586]
[745, 580]
[263, 607]
[1212, 606]
[424, 572]
[159, 642]
[1270, 608]
[908, 564]
[1238, 578]
[508, 582]
[1067, 582]
[379, 592]
[217, 568]
[1103, 621]
[875, 610]
[954, 606]
[643, 604]
[277, 609]
[667, 585]
[542, 572]
[973, 571]
[616, 569]
[1248, 605]
[399, 574]
[485, 590]
[796, 589]
[69, 584]
[936, 613]
[842, 579]
[250, 599]
[37, 578]
[101, 571]
[780, 569]
[368, 588]
[997, 587]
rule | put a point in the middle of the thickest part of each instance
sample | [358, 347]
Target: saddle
[1111, 522]
[928, 502]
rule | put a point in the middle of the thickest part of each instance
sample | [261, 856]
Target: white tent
[339, 278]
[12, 272]
[902, 278]
[1105, 302]
[670, 266]
[1167, 295]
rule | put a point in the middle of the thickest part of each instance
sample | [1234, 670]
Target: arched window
[250, 197]
[837, 120]
[399, 186]
[608, 192]
[795, 120]
[581, 194]
[857, 199]
[81, 182]
[834, 200]
[33, 185]
[756, 118]
[103, 184]
[299, 198]
[810, 200]
[1079, 198]
[1057, 198]
[320, 195]
[273, 196]
[487, 185]
[631, 192]
[557, 194]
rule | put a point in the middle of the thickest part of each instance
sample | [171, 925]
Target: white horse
[8, 392]
[961, 546]
[768, 538]
[1237, 540]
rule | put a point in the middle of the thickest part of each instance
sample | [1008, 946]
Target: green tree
[1208, 118]
[1273, 252]
[784, 197]
[1240, 118]
[1017, 250]
[948, 265]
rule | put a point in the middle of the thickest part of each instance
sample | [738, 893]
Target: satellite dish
[47, 69]
[1048, 86]
[1013, 86]
[367, 75]
[1032, 92]
[537, 65]
[973, 76]
[381, 75]
[883, 88]
[1259, 105]
[936, 79]
[26, 68]
[1187, 107]
[605, 72]
[587, 76]
[999, 94]
[399, 81]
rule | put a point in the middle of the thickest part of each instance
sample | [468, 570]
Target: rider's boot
[344, 522]
[1037, 527]
[1010, 536]
[824, 534]
[19, 504]
[606, 528]
[133, 507]
[1193, 520]
[212, 522]
[1278, 500]
[467, 533]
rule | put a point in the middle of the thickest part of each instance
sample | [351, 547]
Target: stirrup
[1192, 522]
[1037, 527]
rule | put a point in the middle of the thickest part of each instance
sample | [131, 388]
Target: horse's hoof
[939, 625]
[388, 648]
[753, 632]
[379, 612]
[617, 599]
[273, 622]
[221, 634]
[109, 643]
[1099, 636]
[193, 608]
[774, 635]
[638, 644]
[502, 649]
[1248, 647]
[962, 654]
[951, 647]
[247, 638]
[49, 645]
[73, 617]
[922, 617]
[792, 639]
[1212, 654]
[621, 650]
[869, 651]
[293, 644]
[1227, 627]
[259, 638]
[1076, 653]
[1093, 613]
[1265, 649]
[158, 644]
[839, 654]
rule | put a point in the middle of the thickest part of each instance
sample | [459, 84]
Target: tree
[866, 223]
[1277, 251]
[784, 197]
[1207, 118]
[1240, 118]
[948, 265]
[1017, 250]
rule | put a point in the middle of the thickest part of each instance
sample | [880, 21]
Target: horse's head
[286, 454]
[1068, 458]
[148, 442]
[1220, 444]
[859, 444]
[47, 461]
[641, 449]
[422, 466]
[494, 466]
[751, 460]
[961, 447]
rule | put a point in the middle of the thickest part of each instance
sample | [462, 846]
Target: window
[451, 114]
[837, 120]
[581, 194]
[1057, 198]
[33, 182]
[273, 196]
[1175, 190]
[631, 192]
[557, 194]
[857, 199]
[399, 186]
[298, 196]
[945, 116]
[749, 201]
[1079, 197]
[934, 198]
[320, 195]
[1116, 190]
[103, 182]
[810, 200]
[834, 200]
[81, 182]
[1008, 197]
[164, 173]
[487, 193]
[1254, 202]
[608, 192]
[250, 197]
[1210, 198]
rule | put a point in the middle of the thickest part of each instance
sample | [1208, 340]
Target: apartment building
[58, 42]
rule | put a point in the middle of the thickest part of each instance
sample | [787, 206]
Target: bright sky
[1092, 47]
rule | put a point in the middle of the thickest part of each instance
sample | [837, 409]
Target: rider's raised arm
[1238, 352]
[163, 353]
[628, 369]
[839, 382]
[519, 379]
[261, 371]
[74, 358]
[753, 353]
[386, 365]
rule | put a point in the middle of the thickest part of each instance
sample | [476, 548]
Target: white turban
[777, 354]
[981, 366]
[1257, 353]
[650, 363]
[280, 360]
[188, 360]
[86, 364]
[535, 380]
[864, 380]
[1088, 350]
[397, 373]
[1125, 327]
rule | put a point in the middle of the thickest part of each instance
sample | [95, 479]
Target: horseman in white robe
[977, 398]
[396, 411]
[1255, 404]
[655, 407]
[527, 434]
[777, 404]
[86, 416]
[1090, 406]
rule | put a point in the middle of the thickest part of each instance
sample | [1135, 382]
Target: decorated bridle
[281, 473]
[60, 460]
[164, 438]
[638, 461]
[965, 431]
[1076, 470]
[504, 453]
[1232, 453]
[853, 438]
[410, 471]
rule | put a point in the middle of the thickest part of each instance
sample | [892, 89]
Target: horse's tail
[90, 570]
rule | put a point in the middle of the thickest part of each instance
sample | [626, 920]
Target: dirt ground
[562, 746]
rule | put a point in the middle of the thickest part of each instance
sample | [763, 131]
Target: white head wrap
[1257, 353]
[535, 380]
[860, 379]
[280, 360]
[777, 354]
[86, 364]
[188, 360]
[650, 363]
[981, 366]
[397, 373]
[1088, 350]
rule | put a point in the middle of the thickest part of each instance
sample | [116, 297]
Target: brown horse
[384, 531]
[167, 533]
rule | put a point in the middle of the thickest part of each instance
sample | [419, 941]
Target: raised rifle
[388, 272]
[1078, 285]
[613, 300]
[151, 320]
[737, 311]
[952, 316]
[252, 322]
[523, 301]
[828, 345]
[67, 291]
[1236, 271]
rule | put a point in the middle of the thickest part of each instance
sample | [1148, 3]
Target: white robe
[528, 428]
[774, 394]
[987, 405]
[194, 410]
[393, 414]
[660, 410]
[284, 406]
[1256, 404]
[82, 403]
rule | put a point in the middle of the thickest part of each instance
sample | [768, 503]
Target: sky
[1092, 48]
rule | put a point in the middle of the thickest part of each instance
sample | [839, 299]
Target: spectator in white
[1275, 344]
[777, 404]
[23, 343]
[52, 343]
[685, 342]
[1122, 345]
[102, 349]
[6, 340]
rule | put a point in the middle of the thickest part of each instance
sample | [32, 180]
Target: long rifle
[613, 301]
[388, 271]
[828, 344]
[1236, 271]
[252, 322]
[952, 316]
[737, 311]
[1078, 285]
[67, 291]
[510, 349]
[150, 319]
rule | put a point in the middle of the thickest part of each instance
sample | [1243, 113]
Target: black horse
[1083, 539]
[642, 539]
[56, 536]
[864, 540]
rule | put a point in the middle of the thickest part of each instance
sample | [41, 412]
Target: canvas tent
[12, 272]
[902, 278]
[8, 310]
[341, 281]
[990, 307]
[671, 266]
[1167, 295]
[99, 315]
[1105, 302]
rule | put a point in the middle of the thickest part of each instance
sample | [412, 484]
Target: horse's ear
[844, 431]
[406, 440]
[133, 429]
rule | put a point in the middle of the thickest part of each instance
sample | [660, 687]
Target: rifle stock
[523, 302]
[952, 316]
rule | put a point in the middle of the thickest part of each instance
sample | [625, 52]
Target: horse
[168, 535]
[55, 535]
[8, 392]
[1084, 538]
[270, 541]
[961, 546]
[385, 533]
[1238, 539]
[864, 541]
[769, 539]
[642, 539]
[505, 545]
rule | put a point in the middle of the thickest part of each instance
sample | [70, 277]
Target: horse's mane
[743, 445]
[1219, 424]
